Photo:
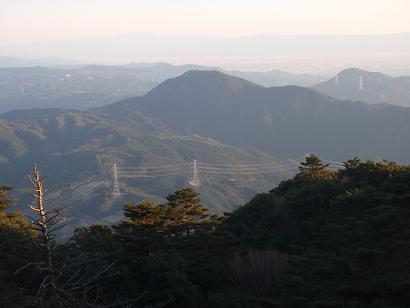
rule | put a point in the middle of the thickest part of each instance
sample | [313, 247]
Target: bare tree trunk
[46, 221]
[43, 223]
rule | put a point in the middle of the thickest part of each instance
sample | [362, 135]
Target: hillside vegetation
[320, 239]
[76, 149]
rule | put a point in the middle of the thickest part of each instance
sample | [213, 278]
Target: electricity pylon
[361, 83]
[195, 181]
[116, 193]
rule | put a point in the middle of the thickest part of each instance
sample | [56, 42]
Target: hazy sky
[28, 21]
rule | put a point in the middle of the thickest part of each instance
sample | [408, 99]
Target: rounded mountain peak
[203, 81]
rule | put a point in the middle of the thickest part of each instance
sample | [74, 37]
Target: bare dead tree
[71, 280]
[46, 221]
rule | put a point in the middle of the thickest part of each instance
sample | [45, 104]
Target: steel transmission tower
[195, 181]
[116, 188]
[361, 83]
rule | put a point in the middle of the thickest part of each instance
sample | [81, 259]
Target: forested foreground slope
[320, 239]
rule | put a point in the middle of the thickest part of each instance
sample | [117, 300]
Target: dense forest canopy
[321, 239]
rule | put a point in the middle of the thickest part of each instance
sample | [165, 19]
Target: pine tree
[352, 163]
[12, 223]
[314, 168]
[18, 254]
[146, 215]
[185, 212]
[143, 228]
[4, 200]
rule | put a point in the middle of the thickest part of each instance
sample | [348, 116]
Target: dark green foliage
[347, 235]
[322, 239]
[186, 213]
[160, 279]
[313, 168]
[18, 255]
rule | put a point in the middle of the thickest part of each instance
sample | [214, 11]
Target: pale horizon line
[205, 36]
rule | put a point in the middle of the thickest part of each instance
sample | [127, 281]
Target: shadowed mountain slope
[282, 121]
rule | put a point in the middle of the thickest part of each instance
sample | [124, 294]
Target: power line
[196, 169]
[83, 191]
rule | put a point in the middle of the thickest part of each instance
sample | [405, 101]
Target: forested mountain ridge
[281, 121]
[89, 86]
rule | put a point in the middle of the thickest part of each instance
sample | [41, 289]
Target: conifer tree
[185, 212]
[352, 163]
[143, 227]
[146, 216]
[4, 200]
[314, 168]
[18, 254]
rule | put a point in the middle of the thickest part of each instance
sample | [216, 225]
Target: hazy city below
[313, 54]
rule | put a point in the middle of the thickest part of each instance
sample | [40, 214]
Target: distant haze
[213, 32]
[297, 53]
[32, 21]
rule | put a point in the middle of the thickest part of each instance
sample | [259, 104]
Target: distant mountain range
[281, 121]
[80, 88]
[97, 85]
[204, 115]
[85, 87]
[369, 87]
